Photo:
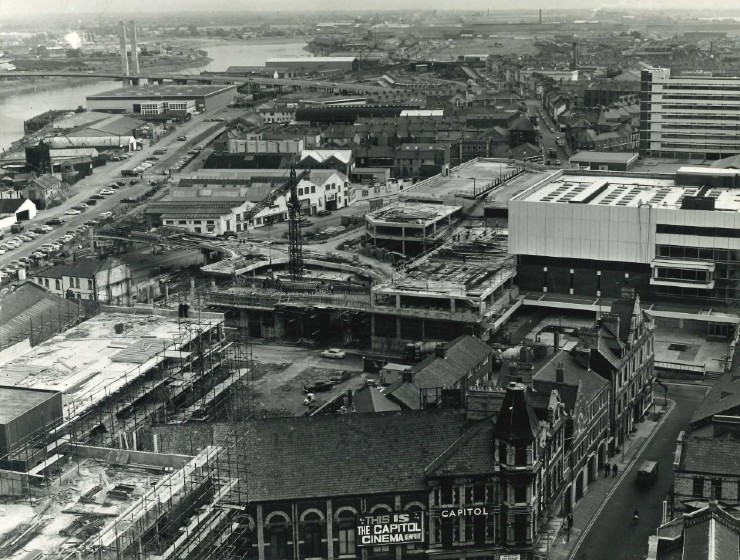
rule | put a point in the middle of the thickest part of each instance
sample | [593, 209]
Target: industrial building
[221, 200]
[589, 234]
[410, 229]
[155, 99]
[688, 116]
[309, 64]
[605, 161]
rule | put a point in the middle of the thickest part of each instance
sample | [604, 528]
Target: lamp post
[524, 160]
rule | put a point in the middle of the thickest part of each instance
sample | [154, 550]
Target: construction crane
[295, 247]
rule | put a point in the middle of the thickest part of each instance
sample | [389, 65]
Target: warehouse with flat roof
[308, 64]
[136, 99]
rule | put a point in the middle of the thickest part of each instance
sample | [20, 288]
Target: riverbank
[33, 85]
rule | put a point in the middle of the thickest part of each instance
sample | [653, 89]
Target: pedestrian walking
[614, 471]
[607, 469]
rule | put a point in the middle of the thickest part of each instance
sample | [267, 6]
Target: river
[18, 107]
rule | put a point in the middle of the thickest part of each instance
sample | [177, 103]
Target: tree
[73, 53]
[192, 29]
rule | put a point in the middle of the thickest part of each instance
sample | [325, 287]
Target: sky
[15, 7]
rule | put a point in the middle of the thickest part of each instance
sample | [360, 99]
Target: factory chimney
[574, 63]
[124, 56]
[540, 16]
[134, 50]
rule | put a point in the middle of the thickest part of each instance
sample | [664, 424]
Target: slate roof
[405, 394]
[46, 181]
[710, 533]
[723, 397]
[471, 454]
[462, 355]
[516, 420]
[590, 382]
[710, 455]
[369, 399]
[339, 455]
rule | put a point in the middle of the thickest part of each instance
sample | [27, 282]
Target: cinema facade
[387, 486]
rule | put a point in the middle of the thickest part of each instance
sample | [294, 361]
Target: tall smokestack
[134, 50]
[124, 57]
[540, 17]
[574, 63]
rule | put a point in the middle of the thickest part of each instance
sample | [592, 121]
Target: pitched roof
[28, 305]
[46, 181]
[516, 420]
[590, 382]
[370, 399]
[405, 394]
[339, 455]
[471, 454]
[461, 355]
[722, 398]
[10, 205]
[83, 268]
[321, 156]
[711, 455]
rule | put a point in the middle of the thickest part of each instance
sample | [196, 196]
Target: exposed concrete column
[134, 52]
[124, 57]
[398, 301]
[452, 305]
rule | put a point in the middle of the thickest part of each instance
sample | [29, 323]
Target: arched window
[380, 510]
[415, 507]
[277, 531]
[346, 533]
[312, 535]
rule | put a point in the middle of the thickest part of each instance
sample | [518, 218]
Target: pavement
[554, 543]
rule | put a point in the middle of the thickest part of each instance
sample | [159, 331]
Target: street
[547, 138]
[197, 130]
[613, 536]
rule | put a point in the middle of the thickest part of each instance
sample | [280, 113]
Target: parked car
[80, 206]
[182, 138]
[121, 183]
[55, 222]
[92, 223]
[92, 201]
[72, 212]
[107, 191]
[133, 181]
[318, 387]
[333, 353]
[32, 235]
[97, 196]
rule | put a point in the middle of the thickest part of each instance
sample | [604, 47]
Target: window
[698, 487]
[520, 456]
[520, 494]
[58, 284]
[77, 282]
[90, 284]
[313, 189]
[717, 488]
[278, 538]
[46, 282]
[502, 452]
[312, 535]
[346, 534]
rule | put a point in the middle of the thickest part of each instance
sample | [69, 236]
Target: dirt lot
[282, 372]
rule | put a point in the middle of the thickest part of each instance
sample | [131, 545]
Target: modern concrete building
[581, 233]
[605, 161]
[147, 99]
[688, 116]
[410, 229]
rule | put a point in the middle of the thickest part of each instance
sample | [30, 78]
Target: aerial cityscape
[398, 282]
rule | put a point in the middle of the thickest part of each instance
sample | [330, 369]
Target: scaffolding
[295, 248]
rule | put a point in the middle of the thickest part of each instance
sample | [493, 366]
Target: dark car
[318, 387]
[121, 183]
[55, 222]
[133, 181]
[92, 201]
[128, 200]
[647, 473]
[98, 196]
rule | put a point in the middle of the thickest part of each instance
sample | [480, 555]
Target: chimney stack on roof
[124, 56]
[560, 372]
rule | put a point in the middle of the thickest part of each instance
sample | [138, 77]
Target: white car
[32, 235]
[47, 229]
[2, 251]
[333, 353]
[107, 191]
[72, 212]
[24, 238]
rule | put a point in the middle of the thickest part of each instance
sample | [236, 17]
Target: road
[613, 527]
[197, 130]
[548, 139]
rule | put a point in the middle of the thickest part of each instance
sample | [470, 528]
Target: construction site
[81, 475]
